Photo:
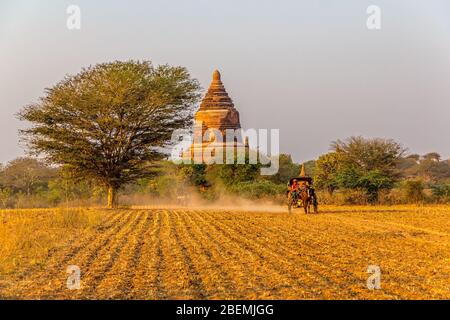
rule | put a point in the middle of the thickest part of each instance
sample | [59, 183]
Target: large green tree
[110, 121]
[368, 164]
[325, 171]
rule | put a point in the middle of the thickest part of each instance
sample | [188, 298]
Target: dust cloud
[224, 203]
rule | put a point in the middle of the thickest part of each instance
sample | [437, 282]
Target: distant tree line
[356, 171]
[377, 166]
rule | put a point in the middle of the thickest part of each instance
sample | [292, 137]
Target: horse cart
[301, 194]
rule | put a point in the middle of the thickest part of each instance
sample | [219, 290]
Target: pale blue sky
[310, 68]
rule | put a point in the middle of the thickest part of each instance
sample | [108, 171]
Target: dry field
[225, 254]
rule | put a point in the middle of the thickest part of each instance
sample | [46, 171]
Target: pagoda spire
[302, 171]
[216, 76]
[216, 97]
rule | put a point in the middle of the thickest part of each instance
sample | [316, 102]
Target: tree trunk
[112, 197]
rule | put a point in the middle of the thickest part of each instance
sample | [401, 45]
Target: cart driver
[294, 188]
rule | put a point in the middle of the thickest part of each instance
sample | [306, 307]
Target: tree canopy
[325, 172]
[111, 120]
[359, 163]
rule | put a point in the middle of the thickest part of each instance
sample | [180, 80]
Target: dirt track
[205, 254]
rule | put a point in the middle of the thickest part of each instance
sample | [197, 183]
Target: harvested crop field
[226, 254]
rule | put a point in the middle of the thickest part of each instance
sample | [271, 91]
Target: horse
[306, 200]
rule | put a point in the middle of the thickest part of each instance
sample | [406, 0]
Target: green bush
[441, 193]
[413, 191]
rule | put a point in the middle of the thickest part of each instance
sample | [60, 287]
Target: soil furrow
[304, 285]
[52, 279]
[195, 280]
[220, 281]
[126, 286]
[119, 270]
[296, 250]
[95, 271]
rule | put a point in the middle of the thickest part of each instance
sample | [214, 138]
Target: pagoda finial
[216, 75]
[216, 97]
[302, 171]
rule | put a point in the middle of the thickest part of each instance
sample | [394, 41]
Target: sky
[311, 69]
